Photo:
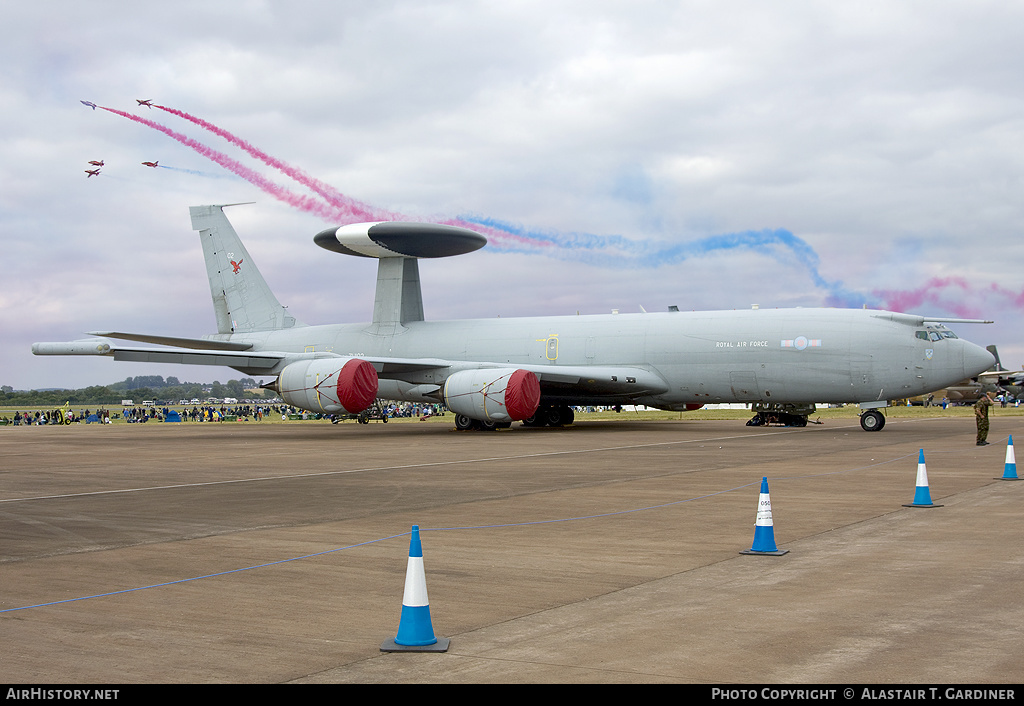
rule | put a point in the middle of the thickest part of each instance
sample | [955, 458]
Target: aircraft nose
[976, 359]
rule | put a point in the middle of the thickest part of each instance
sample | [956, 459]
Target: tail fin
[242, 301]
[992, 349]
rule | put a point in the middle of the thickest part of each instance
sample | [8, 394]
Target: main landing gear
[464, 423]
[545, 416]
[551, 416]
[763, 419]
[790, 415]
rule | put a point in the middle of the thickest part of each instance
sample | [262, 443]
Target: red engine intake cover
[357, 385]
[522, 395]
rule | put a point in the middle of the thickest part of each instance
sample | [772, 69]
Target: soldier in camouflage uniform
[981, 414]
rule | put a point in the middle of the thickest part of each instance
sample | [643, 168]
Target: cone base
[919, 505]
[1010, 478]
[391, 646]
[754, 552]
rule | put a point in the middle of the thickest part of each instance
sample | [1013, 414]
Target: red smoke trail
[303, 203]
[339, 209]
[335, 197]
[950, 293]
[329, 193]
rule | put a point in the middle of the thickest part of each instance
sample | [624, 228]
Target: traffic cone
[764, 530]
[1010, 469]
[922, 498]
[415, 633]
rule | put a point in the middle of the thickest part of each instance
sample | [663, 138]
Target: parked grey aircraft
[1000, 379]
[491, 372]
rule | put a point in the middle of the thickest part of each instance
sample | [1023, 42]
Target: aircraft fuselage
[766, 355]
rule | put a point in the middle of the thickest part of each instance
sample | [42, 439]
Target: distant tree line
[142, 387]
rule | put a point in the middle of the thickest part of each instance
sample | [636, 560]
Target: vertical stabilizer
[242, 301]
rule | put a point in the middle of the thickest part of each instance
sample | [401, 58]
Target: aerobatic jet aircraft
[148, 102]
[92, 173]
[152, 164]
[492, 372]
[96, 162]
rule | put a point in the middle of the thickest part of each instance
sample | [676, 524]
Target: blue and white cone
[922, 498]
[1010, 469]
[415, 632]
[764, 530]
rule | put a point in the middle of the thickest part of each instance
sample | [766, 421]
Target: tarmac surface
[604, 552]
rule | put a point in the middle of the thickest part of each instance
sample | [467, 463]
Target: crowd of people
[61, 415]
[203, 413]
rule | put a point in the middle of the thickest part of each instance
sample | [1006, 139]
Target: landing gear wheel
[464, 423]
[553, 417]
[872, 420]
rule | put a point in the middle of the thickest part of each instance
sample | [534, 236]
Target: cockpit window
[923, 335]
[936, 336]
[948, 334]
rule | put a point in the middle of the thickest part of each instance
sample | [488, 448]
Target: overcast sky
[710, 155]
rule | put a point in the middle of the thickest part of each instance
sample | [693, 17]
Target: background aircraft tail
[242, 301]
[992, 349]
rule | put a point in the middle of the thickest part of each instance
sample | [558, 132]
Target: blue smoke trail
[619, 252]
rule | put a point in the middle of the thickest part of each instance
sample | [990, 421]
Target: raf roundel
[400, 239]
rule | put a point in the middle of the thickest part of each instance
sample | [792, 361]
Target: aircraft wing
[555, 380]
[596, 380]
[1002, 377]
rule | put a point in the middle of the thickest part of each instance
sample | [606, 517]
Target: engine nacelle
[495, 394]
[329, 385]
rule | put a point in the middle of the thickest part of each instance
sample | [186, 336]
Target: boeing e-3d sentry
[491, 372]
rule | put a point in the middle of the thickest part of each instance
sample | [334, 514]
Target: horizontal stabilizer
[202, 343]
[104, 347]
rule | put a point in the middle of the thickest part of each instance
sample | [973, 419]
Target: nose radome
[976, 359]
